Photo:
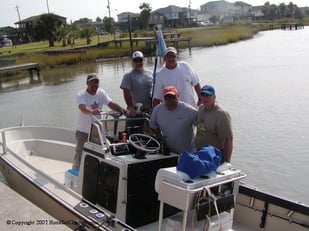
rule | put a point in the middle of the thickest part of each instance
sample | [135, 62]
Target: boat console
[119, 174]
[222, 187]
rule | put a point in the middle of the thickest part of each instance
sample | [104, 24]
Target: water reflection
[65, 74]
[57, 76]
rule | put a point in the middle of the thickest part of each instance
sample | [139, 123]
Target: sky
[11, 10]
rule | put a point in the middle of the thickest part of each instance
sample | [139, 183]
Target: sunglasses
[137, 60]
[169, 96]
[206, 95]
[94, 81]
[171, 56]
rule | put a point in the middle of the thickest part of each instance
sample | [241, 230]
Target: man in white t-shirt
[90, 102]
[179, 74]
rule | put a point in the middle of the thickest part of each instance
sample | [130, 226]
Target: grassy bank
[52, 57]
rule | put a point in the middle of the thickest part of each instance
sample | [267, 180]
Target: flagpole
[161, 46]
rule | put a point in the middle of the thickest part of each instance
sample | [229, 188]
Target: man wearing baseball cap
[173, 121]
[179, 74]
[90, 103]
[137, 85]
[214, 126]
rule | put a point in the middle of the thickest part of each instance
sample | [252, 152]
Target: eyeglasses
[137, 60]
[206, 95]
[94, 81]
[171, 56]
[169, 96]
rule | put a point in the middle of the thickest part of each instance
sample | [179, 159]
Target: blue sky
[75, 9]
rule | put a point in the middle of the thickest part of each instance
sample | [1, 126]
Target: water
[262, 82]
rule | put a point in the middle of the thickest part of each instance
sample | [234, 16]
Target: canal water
[263, 82]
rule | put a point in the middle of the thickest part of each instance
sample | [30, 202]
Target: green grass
[200, 37]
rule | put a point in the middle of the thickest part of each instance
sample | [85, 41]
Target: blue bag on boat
[204, 161]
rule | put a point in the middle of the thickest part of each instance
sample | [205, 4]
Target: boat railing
[114, 129]
[3, 143]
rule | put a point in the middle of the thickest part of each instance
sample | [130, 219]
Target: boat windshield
[115, 126]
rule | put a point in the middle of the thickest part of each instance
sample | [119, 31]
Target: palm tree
[88, 31]
[145, 14]
[46, 28]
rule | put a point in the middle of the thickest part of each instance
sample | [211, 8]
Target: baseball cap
[92, 77]
[170, 49]
[137, 54]
[170, 90]
[208, 90]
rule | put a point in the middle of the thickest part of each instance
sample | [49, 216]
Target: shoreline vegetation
[50, 57]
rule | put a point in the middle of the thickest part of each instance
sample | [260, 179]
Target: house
[175, 16]
[26, 26]
[33, 20]
[129, 21]
[257, 11]
[219, 8]
[242, 9]
[156, 19]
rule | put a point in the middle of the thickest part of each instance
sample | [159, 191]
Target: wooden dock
[22, 67]
[151, 43]
[292, 26]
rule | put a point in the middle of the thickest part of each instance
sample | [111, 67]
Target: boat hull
[34, 161]
[68, 215]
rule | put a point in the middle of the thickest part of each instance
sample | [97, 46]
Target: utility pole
[190, 13]
[20, 27]
[17, 9]
[47, 6]
[109, 9]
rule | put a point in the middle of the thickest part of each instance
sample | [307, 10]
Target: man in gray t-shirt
[137, 85]
[174, 120]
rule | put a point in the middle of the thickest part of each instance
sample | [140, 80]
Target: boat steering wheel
[144, 142]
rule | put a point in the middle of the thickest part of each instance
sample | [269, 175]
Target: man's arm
[155, 102]
[89, 111]
[127, 97]
[197, 89]
[114, 106]
[228, 149]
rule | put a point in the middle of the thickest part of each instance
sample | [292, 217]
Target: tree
[270, 11]
[109, 24]
[87, 31]
[145, 14]
[214, 19]
[282, 10]
[67, 33]
[46, 27]
[61, 34]
[291, 10]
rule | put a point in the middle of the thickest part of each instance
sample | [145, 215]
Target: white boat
[132, 185]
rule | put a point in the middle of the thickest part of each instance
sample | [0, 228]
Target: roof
[169, 9]
[34, 18]
[239, 3]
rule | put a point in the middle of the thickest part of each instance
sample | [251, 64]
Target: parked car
[6, 45]
[204, 23]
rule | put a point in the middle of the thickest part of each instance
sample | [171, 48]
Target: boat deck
[54, 168]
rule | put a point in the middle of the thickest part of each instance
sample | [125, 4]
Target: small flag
[161, 44]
